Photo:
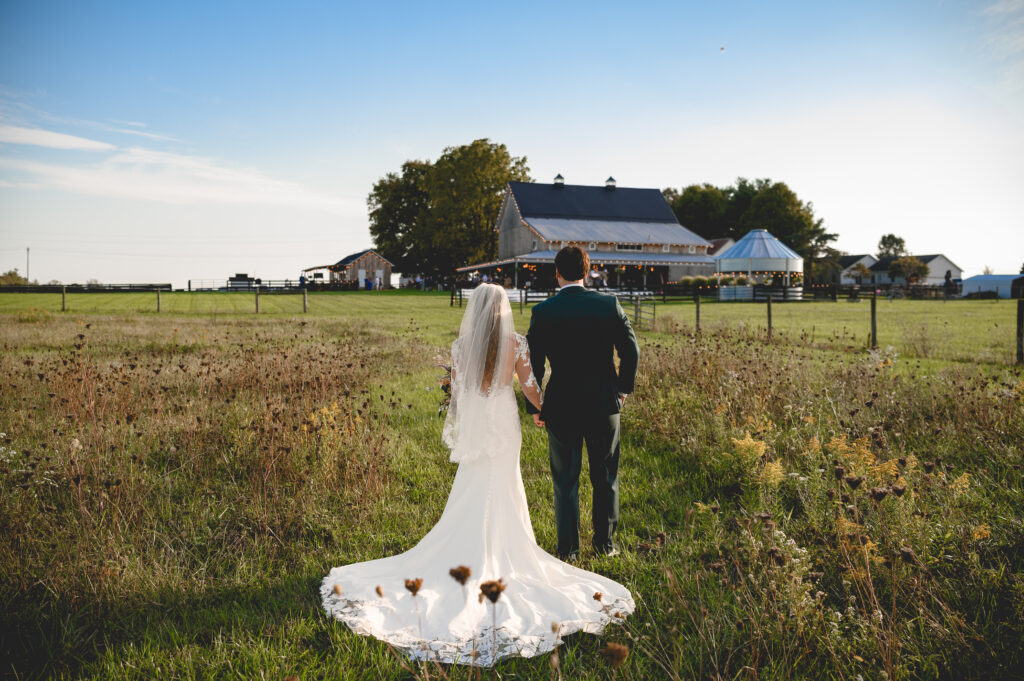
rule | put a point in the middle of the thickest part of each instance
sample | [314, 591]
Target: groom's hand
[537, 421]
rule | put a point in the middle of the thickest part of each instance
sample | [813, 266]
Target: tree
[987, 270]
[12, 278]
[908, 267]
[434, 217]
[776, 208]
[1022, 269]
[398, 209]
[891, 246]
[701, 208]
[714, 212]
[860, 272]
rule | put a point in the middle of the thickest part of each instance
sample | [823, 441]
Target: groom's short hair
[572, 262]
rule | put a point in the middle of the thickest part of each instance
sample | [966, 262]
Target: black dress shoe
[568, 557]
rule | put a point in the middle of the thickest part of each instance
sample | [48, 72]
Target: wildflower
[961, 484]
[879, 493]
[614, 654]
[854, 481]
[492, 590]
[982, 531]
[597, 595]
[460, 574]
[898, 490]
[413, 585]
[929, 466]
[772, 474]
[907, 554]
[839, 472]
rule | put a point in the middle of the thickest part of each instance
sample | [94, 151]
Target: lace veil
[483, 359]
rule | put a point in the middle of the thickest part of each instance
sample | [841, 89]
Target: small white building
[1000, 284]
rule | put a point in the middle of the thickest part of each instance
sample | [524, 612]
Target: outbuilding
[354, 270]
[1002, 285]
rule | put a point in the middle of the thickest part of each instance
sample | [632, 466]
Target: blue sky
[175, 141]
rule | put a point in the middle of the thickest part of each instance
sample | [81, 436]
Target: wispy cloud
[148, 175]
[12, 134]
[1007, 37]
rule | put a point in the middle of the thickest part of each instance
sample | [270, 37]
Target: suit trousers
[565, 451]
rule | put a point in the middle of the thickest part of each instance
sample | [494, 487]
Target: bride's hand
[537, 421]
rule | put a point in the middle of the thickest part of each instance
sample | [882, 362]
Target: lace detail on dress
[484, 648]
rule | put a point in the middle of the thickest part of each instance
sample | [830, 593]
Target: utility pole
[26, 265]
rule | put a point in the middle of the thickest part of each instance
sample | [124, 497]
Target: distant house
[938, 266]
[631, 235]
[354, 269]
[848, 262]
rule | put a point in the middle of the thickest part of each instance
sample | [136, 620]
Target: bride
[485, 527]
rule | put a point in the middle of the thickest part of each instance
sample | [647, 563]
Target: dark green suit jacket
[576, 331]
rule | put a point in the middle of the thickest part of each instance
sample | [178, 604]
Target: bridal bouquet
[445, 383]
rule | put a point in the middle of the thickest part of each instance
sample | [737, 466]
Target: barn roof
[586, 202]
[348, 259]
[614, 231]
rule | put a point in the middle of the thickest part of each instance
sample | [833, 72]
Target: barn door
[380, 275]
[362, 279]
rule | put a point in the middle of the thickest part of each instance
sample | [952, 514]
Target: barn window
[665, 248]
[592, 246]
[629, 247]
[693, 249]
[533, 245]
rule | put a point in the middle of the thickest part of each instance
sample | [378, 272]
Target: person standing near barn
[578, 332]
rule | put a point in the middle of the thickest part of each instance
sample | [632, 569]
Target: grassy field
[173, 487]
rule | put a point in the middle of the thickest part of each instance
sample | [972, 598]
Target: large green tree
[434, 217]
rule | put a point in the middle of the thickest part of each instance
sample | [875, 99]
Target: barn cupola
[559, 180]
[609, 183]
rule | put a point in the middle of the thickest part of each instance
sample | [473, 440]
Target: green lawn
[173, 487]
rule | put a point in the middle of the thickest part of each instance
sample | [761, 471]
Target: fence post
[522, 294]
[158, 300]
[636, 312]
[257, 300]
[451, 302]
[1020, 331]
[190, 285]
[305, 301]
[874, 325]
[63, 298]
[769, 316]
[696, 300]
[460, 297]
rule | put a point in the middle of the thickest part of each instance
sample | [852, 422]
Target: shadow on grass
[44, 639]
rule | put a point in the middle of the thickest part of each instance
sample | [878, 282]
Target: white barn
[631, 235]
[938, 266]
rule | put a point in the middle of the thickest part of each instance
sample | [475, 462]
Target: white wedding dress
[486, 527]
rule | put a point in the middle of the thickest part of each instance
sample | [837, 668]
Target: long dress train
[486, 527]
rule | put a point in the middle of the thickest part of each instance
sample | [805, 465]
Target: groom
[576, 331]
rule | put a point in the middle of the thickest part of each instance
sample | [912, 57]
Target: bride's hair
[484, 337]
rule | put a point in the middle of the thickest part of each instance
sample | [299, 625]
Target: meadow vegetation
[173, 488]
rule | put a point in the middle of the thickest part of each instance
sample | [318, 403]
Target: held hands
[537, 421]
